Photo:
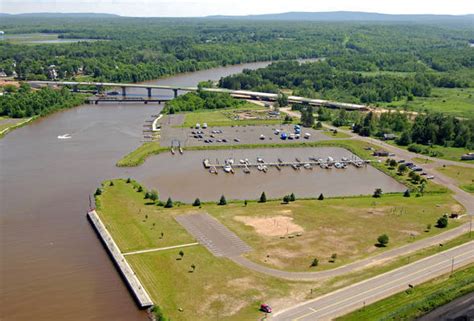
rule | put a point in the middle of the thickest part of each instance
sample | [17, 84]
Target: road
[363, 293]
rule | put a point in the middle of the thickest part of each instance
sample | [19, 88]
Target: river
[52, 265]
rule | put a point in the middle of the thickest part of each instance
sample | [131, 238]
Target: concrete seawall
[137, 289]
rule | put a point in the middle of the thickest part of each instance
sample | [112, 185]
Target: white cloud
[232, 7]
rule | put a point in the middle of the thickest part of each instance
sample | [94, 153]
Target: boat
[65, 136]
[262, 137]
[307, 135]
[259, 160]
[246, 170]
[229, 161]
[307, 166]
[264, 168]
[242, 161]
[227, 168]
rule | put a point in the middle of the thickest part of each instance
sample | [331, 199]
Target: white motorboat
[65, 136]
[227, 168]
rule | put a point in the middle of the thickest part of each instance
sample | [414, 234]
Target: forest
[133, 49]
[201, 100]
[25, 102]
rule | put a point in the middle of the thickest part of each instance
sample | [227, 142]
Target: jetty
[140, 294]
[262, 165]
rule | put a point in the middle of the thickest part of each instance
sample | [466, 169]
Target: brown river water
[52, 265]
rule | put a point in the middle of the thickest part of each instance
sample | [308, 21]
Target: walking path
[161, 249]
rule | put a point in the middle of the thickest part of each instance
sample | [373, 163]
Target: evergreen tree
[321, 197]
[263, 198]
[169, 203]
[197, 202]
[222, 201]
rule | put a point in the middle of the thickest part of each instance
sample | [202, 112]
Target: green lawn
[463, 175]
[225, 117]
[139, 155]
[414, 303]
[7, 124]
[218, 288]
[336, 135]
[451, 101]
[449, 153]
[348, 227]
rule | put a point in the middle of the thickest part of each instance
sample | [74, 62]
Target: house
[468, 156]
[382, 153]
[389, 136]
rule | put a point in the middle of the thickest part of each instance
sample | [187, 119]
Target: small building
[382, 153]
[468, 156]
[389, 136]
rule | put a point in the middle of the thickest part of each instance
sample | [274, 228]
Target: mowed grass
[416, 302]
[218, 289]
[348, 227]
[224, 117]
[135, 222]
[464, 176]
[451, 101]
[139, 155]
[336, 135]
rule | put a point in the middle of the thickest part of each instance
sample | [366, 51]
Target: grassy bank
[226, 291]
[139, 155]
[420, 300]
[9, 124]
[464, 176]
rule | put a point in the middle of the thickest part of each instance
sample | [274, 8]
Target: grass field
[418, 301]
[218, 288]
[421, 160]
[139, 155]
[8, 124]
[336, 135]
[451, 101]
[463, 175]
[449, 153]
[348, 227]
[225, 117]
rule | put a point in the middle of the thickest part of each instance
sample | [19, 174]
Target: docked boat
[259, 160]
[227, 168]
[307, 166]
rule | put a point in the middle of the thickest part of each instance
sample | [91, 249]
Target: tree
[393, 163]
[169, 203]
[245, 203]
[292, 197]
[383, 240]
[282, 100]
[442, 222]
[98, 192]
[286, 199]
[111, 183]
[222, 201]
[193, 267]
[140, 189]
[197, 202]
[333, 257]
[377, 193]
[405, 139]
[153, 195]
[315, 262]
[263, 198]
[319, 125]
[407, 193]
[129, 180]
[321, 197]
[181, 254]
[402, 168]
[147, 195]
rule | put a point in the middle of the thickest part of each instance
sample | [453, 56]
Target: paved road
[353, 297]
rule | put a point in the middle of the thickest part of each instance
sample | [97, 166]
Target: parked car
[401, 161]
[265, 308]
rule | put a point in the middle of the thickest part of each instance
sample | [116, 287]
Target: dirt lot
[272, 225]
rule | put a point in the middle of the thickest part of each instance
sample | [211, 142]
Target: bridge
[243, 94]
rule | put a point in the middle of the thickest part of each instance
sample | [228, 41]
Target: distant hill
[61, 15]
[350, 16]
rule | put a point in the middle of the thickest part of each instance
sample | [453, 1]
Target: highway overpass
[244, 94]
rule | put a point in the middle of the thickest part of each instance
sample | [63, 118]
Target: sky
[198, 8]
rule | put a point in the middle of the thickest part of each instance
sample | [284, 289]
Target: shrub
[315, 262]
[98, 192]
[383, 240]
[153, 195]
[197, 202]
[263, 198]
[286, 199]
[321, 197]
[111, 183]
[292, 197]
[169, 203]
[377, 193]
[129, 180]
[407, 193]
[222, 201]
[140, 189]
[442, 222]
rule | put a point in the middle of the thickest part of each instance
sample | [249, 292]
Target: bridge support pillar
[175, 93]
[149, 92]
[124, 91]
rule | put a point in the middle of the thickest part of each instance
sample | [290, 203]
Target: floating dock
[139, 292]
[297, 164]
